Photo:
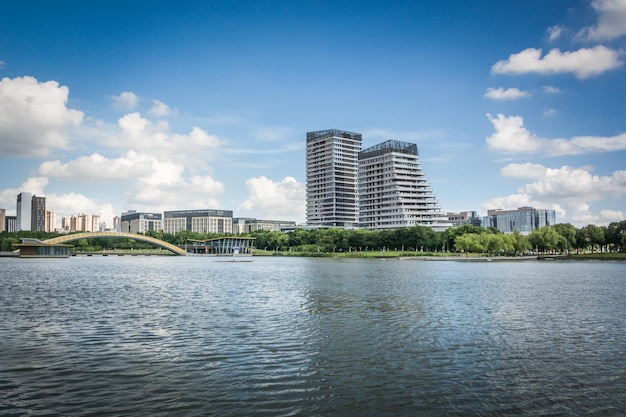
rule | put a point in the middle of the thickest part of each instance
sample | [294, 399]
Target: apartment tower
[394, 191]
[38, 214]
[331, 178]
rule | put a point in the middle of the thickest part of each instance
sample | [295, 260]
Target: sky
[110, 106]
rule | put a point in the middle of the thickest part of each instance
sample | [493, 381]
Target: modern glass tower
[331, 178]
[394, 191]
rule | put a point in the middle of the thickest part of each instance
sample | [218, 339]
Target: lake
[282, 336]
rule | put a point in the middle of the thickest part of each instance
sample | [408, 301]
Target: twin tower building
[382, 187]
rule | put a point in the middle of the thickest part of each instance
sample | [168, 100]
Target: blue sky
[147, 105]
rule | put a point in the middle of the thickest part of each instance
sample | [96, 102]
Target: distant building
[524, 219]
[464, 217]
[331, 178]
[80, 223]
[38, 214]
[117, 220]
[31, 212]
[24, 211]
[199, 221]
[3, 220]
[10, 224]
[394, 191]
[133, 222]
[247, 225]
[51, 221]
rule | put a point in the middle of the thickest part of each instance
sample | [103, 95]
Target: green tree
[520, 242]
[470, 242]
[568, 232]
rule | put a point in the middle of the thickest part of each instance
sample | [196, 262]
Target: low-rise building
[248, 224]
[199, 221]
[524, 219]
[134, 222]
[464, 217]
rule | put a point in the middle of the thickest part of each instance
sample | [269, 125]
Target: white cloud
[34, 117]
[140, 133]
[97, 166]
[611, 21]
[555, 32]
[566, 189]
[527, 170]
[506, 94]
[512, 137]
[2, 64]
[550, 112]
[160, 109]
[551, 90]
[283, 200]
[126, 100]
[584, 63]
[65, 205]
[33, 185]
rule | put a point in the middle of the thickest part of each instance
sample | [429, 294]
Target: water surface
[189, 336]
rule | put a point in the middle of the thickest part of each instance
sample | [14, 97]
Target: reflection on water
[297, 336]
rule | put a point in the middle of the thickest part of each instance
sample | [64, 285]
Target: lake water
[189, 336]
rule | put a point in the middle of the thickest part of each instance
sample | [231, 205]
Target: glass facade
[524, 219]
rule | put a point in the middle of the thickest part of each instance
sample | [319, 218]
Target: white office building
[394, 191]
[331, 178]
[24, 211]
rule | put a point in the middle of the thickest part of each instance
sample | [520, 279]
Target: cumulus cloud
[506, 94]
[567, 190]
[555, 32]
[96, 166]
[126, 100]
[145, 179]
[611, 21]
[140, 133]
[34, 117]
[282, 200]
[511, 136]
[160, 109]
[584, 63]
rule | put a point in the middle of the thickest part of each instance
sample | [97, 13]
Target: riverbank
[434, 256]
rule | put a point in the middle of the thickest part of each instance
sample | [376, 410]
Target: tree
[545, 239]
[520, 242]
[470, 242]
[568, 232]
[615, 235]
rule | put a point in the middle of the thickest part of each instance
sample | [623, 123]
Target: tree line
[562, 238]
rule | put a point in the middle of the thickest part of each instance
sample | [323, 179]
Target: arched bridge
[90, 235]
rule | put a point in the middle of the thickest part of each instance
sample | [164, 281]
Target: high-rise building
[394, 191]
[331, 178]
[38, 214]
[24, 211]
[524, 219]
